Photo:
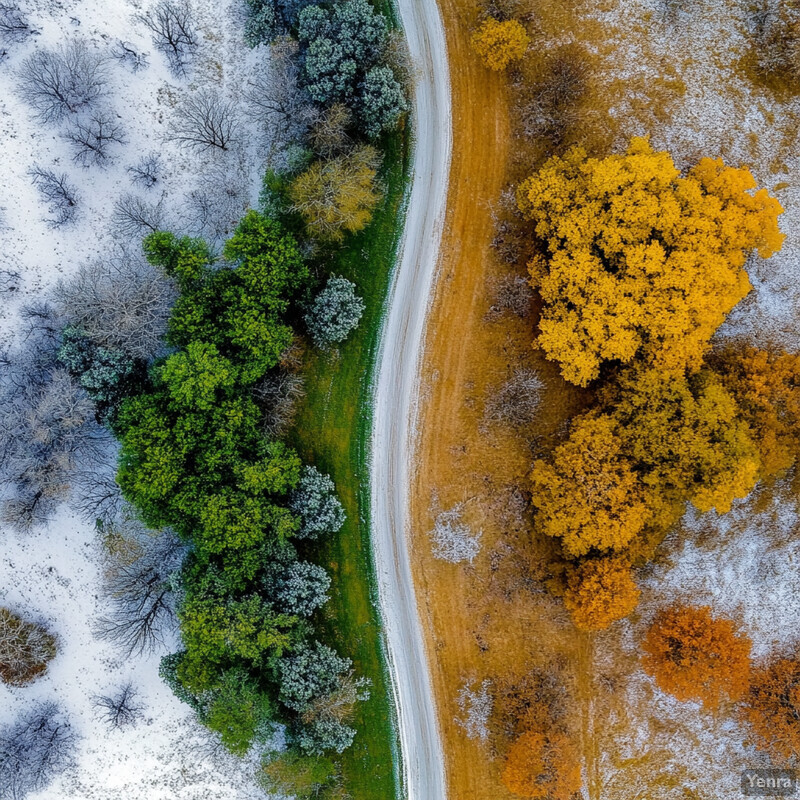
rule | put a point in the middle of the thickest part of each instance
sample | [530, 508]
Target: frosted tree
[335, 312]
[315, 501]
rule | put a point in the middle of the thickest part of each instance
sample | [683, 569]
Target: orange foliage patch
[693, 656]
[599, 592]
[773, 707]
[542, 766]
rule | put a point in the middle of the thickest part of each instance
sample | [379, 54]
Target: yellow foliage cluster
[588, 495]
[638, 260]
[500, 43]
[600, 591]
[338, 196]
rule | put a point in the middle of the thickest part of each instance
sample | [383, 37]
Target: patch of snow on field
[53, 574]
[743, 564]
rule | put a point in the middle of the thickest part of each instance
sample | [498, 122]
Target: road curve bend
[395, 401]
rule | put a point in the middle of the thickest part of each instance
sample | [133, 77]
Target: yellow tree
[338, 196]
[600, 591]
[500, 43]
[638, 261]
[687, 438]
[588, 496]
[766, 385]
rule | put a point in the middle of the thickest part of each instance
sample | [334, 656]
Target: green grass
[332, 431]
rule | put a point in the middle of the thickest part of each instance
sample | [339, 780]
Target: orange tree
[542, 765]
[600, 591]
[637, 260]
[500, 43]
[772, 707]
[694, 656]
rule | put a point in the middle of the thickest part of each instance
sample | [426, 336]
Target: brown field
[495, 619]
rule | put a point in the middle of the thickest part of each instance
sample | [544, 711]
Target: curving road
[395, 394]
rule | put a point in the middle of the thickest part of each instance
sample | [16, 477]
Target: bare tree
[119, 301]
[142, 591]
[135, 216]
[515, 402]
[453, 540]
[512, 295]
[476, 709]
[275, 99]
[14, 25]
[339, 705]
[278, 394]
[171, 24]
[330, 135]
[33, 751]
[127, 54]
[91, 137]
[46, 428]
[119, 710]
[214, 208]
[549, 104]
[97, 496]
[147, 172]
[57, 191]
[25, 649]
[63, 81]
[204, 121]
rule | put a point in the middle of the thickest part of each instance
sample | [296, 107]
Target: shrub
[172, 26]
[774, 57]
[381, 101]
[542, 765]
[302, 588]
[335, 312]
[323, 735]
[315, 501]
[638, 279]
[120, 710]
[500, 43]
[311, 671]
[57, 191]
[337, 197]
[694, 656]
[772, 707]
[25, 649]
[600, 591]
[516, 401]
[293, 774]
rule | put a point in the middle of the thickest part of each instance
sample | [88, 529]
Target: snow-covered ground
[53, 574]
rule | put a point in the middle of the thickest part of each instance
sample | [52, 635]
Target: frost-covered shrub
[14, 25]
[454, 541]
[101, 372]
[311, 671]
[344, 50]
[325, 734]
[263, 22]
[147, 171]
[25, 649]
[33, 751]
[119, 710]
[476, 708]
[516, 401]
[302, 588]
[335, 312]
[315, 501]
[62, 81]
[381, 101]
[92, 137]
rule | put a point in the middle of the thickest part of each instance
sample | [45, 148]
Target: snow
[52, 575]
